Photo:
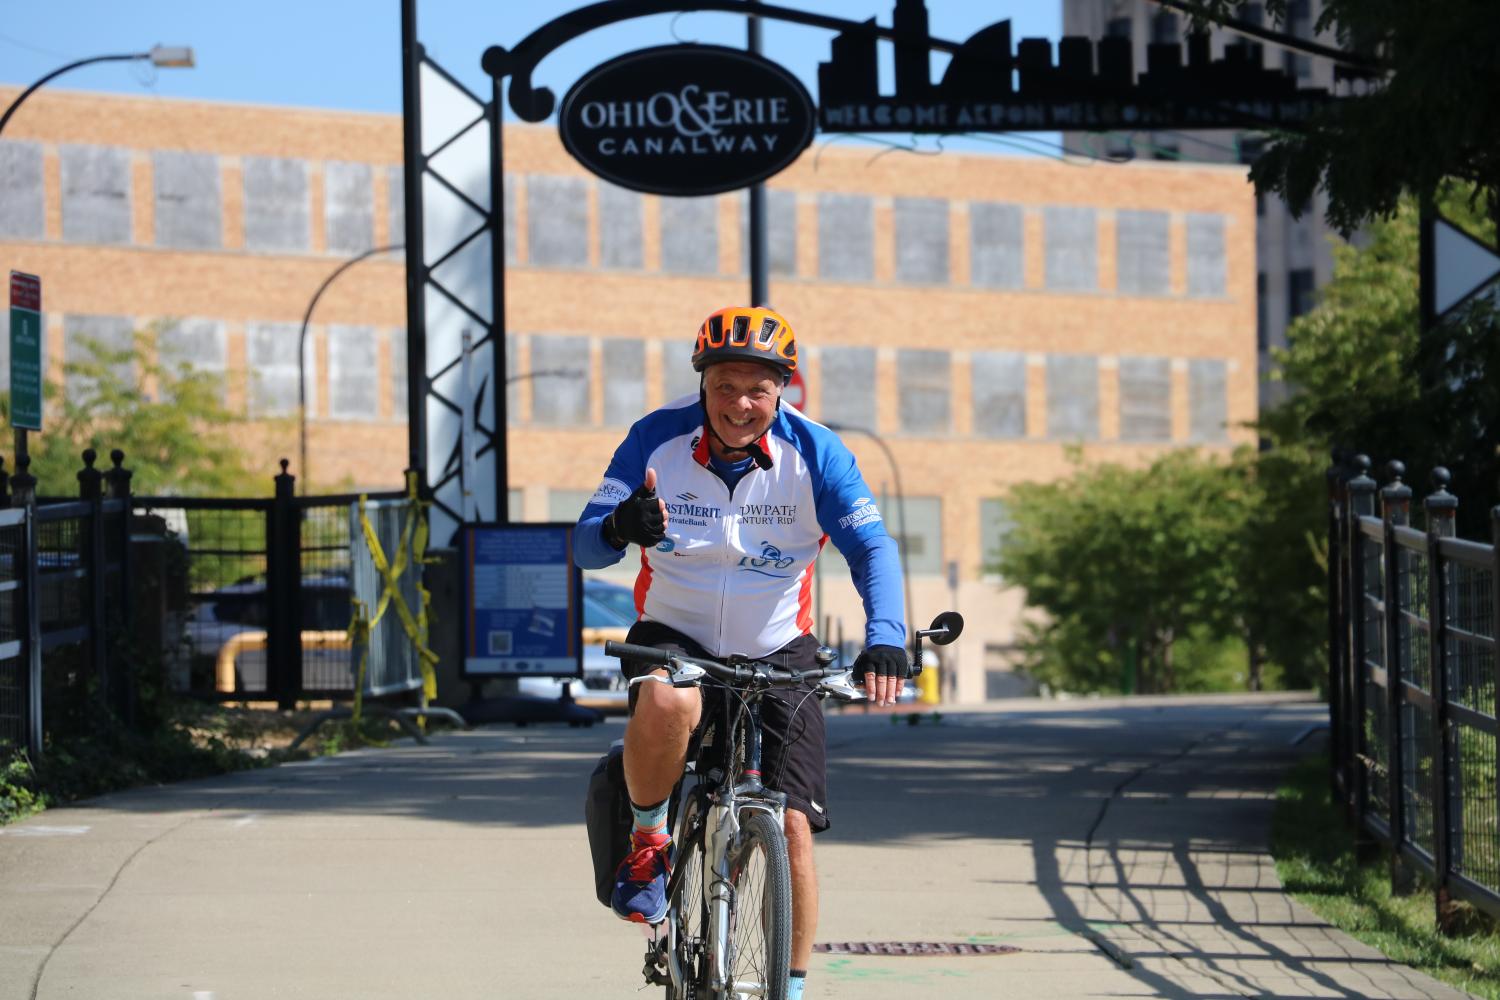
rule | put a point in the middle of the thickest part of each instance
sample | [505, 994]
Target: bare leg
[799, 847]
[656, 739]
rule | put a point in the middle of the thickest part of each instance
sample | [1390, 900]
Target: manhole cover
[913, 948]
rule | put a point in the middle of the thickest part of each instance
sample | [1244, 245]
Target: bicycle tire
[688, 912]
[760, 912]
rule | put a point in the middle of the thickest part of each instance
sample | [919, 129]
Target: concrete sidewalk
[1118, 845]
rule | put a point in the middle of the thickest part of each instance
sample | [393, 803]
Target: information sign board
[25, 351]
[523, 601]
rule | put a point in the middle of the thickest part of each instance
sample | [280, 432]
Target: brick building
[979, 313]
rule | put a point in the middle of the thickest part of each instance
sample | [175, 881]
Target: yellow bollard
[929, 686]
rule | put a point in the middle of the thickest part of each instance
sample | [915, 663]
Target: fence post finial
[1395, 496]
[1441, 506]
[89, 478]
[118, 477]
[285, 481]
[23, 483]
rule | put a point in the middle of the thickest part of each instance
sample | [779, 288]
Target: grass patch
[1315, 859]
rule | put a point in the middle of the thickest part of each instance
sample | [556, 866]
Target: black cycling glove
[882, 661]
[637, 519]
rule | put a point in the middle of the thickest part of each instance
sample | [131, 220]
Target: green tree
[170, 421]
[1123, 566]
[1429, 116]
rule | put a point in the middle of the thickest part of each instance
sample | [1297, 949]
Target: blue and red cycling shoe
[641, 881]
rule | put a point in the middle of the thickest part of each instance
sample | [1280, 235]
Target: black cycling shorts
[794, 740]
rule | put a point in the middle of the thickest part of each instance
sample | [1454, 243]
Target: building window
[921, 240]
[677, 376]
[198, 344]
[689, 235]
[1072, 397]
[620, 225]
[1142, 258]
[560, 382]
[846, 237]
[995, 523]
[566, 505]
[1299, 22]
[23, 213]
[276, 204]
[624, 379]
[1070, 236]
[353, 373]
[999, 393]
[846, 376]
[348, 208]
[1208, 405]
[922, 540]
[1164, 28]
[400, 405]
[93, 340]
[923, 382]
[271, 354]
[188, 211]
[1145, 399]
[1118, 27]
[997, 253]
[1299, 293]
[781, 232]
[557, 221]
[1206, 263]
[95, 194]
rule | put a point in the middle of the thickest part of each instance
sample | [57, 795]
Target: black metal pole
[496, 114]
[760, 292]
[416, 312]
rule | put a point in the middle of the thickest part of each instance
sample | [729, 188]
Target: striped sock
[795, 983]
[650, 820]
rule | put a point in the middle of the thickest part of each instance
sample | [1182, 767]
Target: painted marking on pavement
[246, 820]
[45, 831]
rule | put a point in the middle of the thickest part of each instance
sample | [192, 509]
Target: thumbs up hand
[640, 518]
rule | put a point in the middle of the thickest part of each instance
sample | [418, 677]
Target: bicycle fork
[718, 889]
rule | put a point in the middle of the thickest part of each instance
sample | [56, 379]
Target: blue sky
[345, 54]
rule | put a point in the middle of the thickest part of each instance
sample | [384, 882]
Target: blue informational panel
[523, 601]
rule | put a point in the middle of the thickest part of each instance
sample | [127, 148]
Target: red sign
[25, 291]
[795, 392]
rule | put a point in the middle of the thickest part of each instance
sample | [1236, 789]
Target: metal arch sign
[687, 120]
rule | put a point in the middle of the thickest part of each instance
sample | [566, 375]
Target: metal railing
[1412, 682]
[227, 599]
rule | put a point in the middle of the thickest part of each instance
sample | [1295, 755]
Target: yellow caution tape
[411, 552]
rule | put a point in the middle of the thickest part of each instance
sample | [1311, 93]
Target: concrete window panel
[677, 376]
[23, 209]
[271, 356]
[353, 373]
[557, 221]
[277, 216]
[348, 208]
[1207, 267]
[198, 344]
[1145, 399]
[690, 235]
[560, 400]
[624, 381]
[999, 393]
[781, 233]
[95, 194]
[917, 525]
[1072, 397]
[921, 240]
[846, 237]
[189, 211]
[1070, 236]
[1142, 258]
[924, 385]
[846, 380]
[997, 246]
[1208, 400]
[400, 398]
[621, 215]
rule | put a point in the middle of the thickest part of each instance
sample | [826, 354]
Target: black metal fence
[1412, 669]
[227, 599]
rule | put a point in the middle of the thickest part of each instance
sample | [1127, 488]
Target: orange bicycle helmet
[747, 333]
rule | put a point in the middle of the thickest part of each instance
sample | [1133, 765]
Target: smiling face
[741, 400]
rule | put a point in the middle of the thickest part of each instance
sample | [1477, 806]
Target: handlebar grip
[631, 651]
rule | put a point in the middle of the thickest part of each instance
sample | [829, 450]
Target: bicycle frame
[725, 797]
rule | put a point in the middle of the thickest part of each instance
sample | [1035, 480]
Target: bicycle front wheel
[760, 914]
[688, 914]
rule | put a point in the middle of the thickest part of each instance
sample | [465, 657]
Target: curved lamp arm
[161, 55]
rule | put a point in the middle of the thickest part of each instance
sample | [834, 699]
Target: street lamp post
[900, 500]
[302, 355]
[164, 56]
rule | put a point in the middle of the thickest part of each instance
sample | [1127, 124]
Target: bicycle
[729, 919]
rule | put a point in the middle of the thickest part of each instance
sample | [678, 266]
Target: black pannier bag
[606, 814]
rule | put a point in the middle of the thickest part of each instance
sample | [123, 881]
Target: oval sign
[687, 119]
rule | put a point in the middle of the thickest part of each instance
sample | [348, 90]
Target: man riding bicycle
[750, 491]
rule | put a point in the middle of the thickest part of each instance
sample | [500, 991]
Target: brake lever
[842, 686]
[686, 675]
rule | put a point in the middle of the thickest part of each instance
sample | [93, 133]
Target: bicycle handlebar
[732, 673]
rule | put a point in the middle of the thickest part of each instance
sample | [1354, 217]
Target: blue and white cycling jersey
[734, 571]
